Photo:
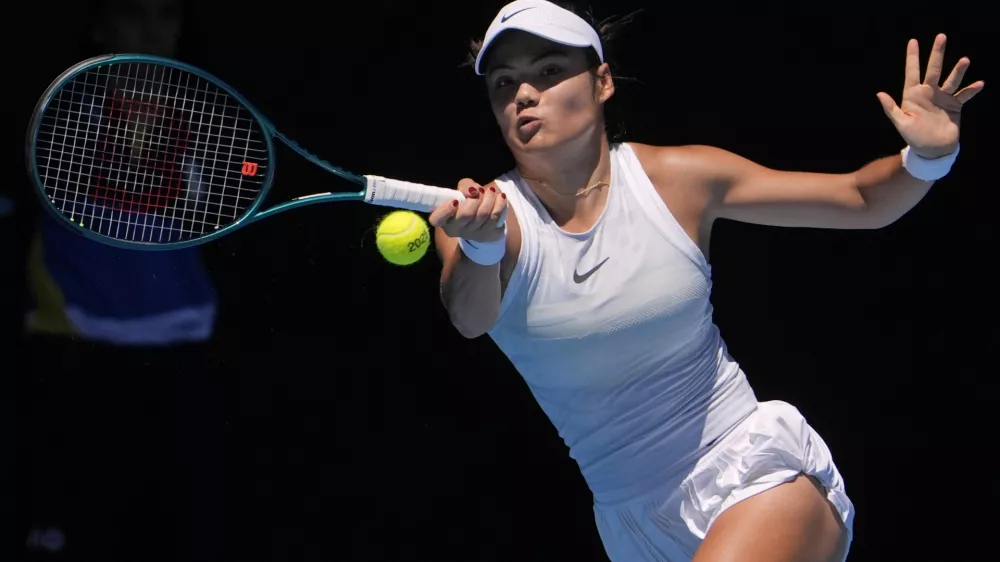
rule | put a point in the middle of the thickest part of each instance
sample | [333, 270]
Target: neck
[572, 180]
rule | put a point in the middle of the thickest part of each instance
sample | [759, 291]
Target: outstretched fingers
[954, 79]
[935, 63]
[892, 111]
[912, 76]
[968, 92]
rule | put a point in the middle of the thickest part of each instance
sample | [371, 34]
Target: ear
[605, 84]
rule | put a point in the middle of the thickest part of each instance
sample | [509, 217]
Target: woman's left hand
[928, 118]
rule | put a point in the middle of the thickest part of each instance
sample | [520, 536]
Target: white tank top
[612, 330]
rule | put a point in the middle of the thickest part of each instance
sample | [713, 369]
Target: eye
[551, 70]
[501, 82]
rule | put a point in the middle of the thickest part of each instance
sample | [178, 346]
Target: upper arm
[739, 189]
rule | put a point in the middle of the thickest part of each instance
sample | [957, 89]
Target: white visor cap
[544, 19]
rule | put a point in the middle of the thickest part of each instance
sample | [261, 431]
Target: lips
[524, 120]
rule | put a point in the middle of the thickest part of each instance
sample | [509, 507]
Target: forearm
[888, 190]
[469, 291]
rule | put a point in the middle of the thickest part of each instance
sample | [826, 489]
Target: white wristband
[928, 170]
[485, 253]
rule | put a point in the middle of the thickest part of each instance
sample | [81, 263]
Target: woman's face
[544, 94]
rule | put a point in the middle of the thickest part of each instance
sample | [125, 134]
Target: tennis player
[598, 286]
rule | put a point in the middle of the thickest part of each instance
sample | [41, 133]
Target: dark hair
[607, 29]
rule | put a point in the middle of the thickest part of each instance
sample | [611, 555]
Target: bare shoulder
[687, 180]
[693, 165]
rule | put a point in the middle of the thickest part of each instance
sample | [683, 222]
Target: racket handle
[388, 192]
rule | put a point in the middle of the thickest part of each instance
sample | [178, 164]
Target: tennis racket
[149, 153]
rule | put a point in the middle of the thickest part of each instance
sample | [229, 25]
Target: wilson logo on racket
[249, 168]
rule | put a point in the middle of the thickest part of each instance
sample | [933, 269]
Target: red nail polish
[493, 189]
[503, 195]
[454, 203]
[473, 191]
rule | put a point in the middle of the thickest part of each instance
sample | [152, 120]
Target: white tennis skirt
[772, 446]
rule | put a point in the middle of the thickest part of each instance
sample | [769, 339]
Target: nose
[526, 96]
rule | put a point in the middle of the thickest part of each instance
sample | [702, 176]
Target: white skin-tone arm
[728, 186]
[725, 185]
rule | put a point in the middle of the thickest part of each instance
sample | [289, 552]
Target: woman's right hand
[478, 218]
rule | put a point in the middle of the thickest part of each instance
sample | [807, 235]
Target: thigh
[792, 522]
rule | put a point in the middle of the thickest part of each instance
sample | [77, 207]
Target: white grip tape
[405, 195]
[388, 192]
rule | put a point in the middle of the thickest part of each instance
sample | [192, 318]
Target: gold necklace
[580, 193]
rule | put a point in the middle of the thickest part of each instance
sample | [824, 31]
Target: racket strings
[158, 144]
[149, 153]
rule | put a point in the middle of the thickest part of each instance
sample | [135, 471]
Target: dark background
[361, 426]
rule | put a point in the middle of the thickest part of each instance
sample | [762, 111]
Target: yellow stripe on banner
[49, 315]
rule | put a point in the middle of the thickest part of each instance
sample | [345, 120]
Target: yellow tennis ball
[403, 237]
